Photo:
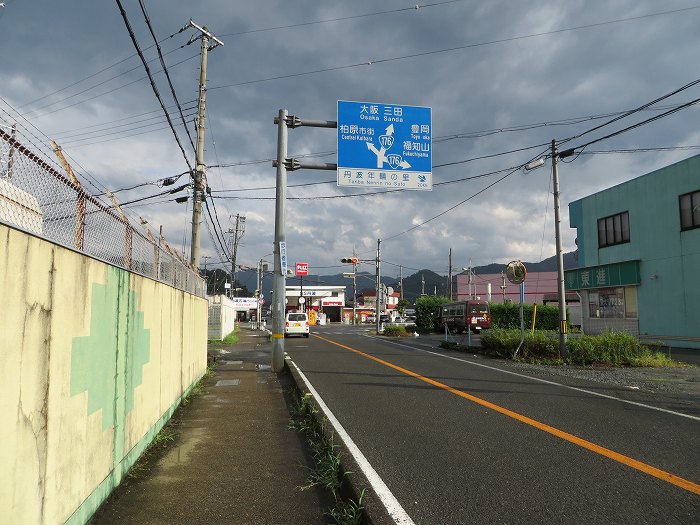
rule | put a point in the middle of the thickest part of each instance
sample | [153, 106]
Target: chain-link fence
[37, 198]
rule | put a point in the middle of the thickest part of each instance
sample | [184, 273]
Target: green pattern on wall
[108, 363]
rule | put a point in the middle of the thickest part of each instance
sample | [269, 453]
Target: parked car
[384, 319]
[371, 318]
[296, 323]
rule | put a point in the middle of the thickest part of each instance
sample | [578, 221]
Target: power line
[444, 138]
[110, 91]
[104, 127]
[153, 85]
[640, 150]
[451, 207]
[342, 18]
[77, 141]
[637, 125]
[641, 108]
[102, 71]
[165, 70]
[131, 135]
[157, 182]
[456, 48]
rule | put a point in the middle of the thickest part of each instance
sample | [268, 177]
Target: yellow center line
[611, 454]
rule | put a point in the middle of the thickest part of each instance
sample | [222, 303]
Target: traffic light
[349, 260]
[257, 293]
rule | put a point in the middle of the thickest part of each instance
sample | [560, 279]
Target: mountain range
[422, 281]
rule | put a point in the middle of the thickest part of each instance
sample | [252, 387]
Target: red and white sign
[331, 302]
[302, 268]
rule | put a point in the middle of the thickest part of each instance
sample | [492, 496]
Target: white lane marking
[392, 505]
[553, 383]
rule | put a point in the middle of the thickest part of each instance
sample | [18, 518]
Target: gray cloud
[501, 81]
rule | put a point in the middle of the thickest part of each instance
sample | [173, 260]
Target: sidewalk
[235, 460]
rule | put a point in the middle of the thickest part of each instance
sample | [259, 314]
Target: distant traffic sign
[384, 146]
[302, 268]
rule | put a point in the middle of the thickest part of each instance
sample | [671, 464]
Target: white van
[296, 323]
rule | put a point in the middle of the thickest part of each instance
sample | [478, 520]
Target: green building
[639, 255]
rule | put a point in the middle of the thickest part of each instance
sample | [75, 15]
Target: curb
[354, 480]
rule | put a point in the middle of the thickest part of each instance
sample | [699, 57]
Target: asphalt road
[459, 439]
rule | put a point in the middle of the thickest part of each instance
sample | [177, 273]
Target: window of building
[613, 303]
[614, 229]
[689, 205]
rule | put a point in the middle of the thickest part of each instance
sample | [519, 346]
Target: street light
[469, 280]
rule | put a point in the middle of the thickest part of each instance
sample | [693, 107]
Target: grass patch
[198, 388]
[542, 347]
[168, 434]
[153, 452]
[328, 472]
[230, 339]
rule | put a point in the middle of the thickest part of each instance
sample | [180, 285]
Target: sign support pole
[279, 281]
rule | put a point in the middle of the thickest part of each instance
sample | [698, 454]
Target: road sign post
[516, 273]
[384, 146]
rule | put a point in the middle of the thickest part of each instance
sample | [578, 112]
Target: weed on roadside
[160, 442]
[349, 512]
[328, 471]
[198, 388]
[230, 339]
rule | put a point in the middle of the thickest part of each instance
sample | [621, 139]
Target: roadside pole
[283, 121]
[200, 182]
[563, 352]
[379, 288]
[354, 290]
[279, 281]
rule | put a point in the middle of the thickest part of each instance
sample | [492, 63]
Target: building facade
[327, 299]
[495, 287]
[639, 256]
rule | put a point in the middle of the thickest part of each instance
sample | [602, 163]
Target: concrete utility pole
[470, 278]
[206, 277]
[236, 234]
[354, 287]
[200, 180]
[380, 291]
[282, 163]
[449, 275]
[279, 280]
[560, 258]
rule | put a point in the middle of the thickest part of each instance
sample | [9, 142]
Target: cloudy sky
[500, 76]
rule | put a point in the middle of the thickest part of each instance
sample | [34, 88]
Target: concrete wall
[222, 317]
[94, 361]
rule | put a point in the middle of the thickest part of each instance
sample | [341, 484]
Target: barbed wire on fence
[37, 198]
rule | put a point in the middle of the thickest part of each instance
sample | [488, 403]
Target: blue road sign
[384, 146]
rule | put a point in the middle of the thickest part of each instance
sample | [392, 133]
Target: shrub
[393, 330]
[539, 346]
[508, 316]
[426, 312]
[610, 348]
